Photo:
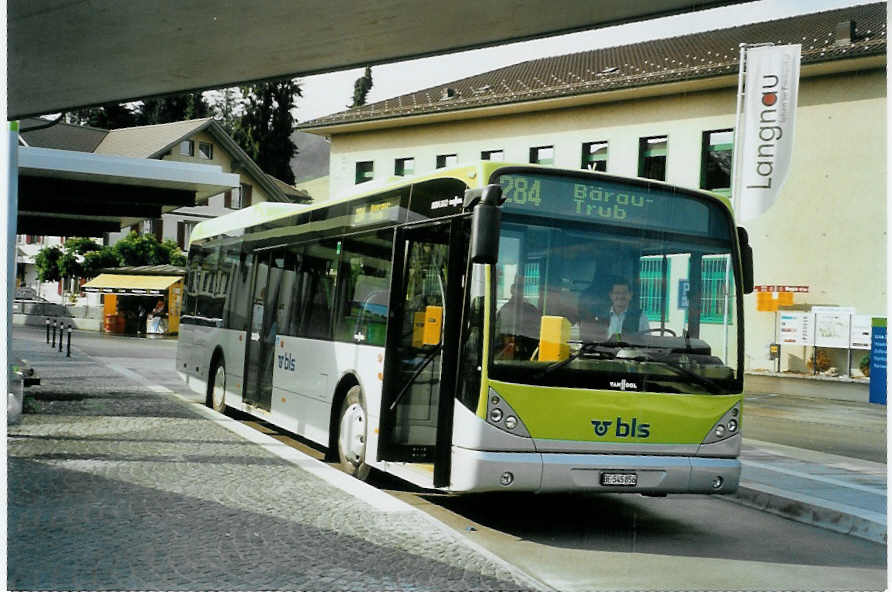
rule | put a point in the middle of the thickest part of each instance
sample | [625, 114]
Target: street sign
[878, 361]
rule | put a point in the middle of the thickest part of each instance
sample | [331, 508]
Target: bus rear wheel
[352, 428]
[216, 398]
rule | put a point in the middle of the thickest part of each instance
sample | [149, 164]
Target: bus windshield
[634, 290]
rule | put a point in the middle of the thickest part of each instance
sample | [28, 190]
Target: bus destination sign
[604, 201]
[384, 210]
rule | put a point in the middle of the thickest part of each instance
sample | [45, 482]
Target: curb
[811, 510]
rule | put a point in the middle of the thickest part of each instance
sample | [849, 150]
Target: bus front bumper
[475, 470]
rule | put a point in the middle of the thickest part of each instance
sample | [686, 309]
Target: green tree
[95, 261]
[361, 88]
[228, 108]
[108, 116]
[47, 263]
[173, 108]
[176, 256]
[69, 265]
[141, 249]
[81, 245]
[264, 130]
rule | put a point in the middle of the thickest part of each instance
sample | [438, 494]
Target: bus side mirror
[746, 259]
[486, 221]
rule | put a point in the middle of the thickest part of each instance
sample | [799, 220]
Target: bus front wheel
[352, 435]
[217, 388]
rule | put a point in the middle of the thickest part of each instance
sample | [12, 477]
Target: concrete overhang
[64, 54]
[67, 193]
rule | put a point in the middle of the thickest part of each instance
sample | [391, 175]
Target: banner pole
[735, 156]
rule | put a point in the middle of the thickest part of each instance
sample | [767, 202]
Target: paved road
[567, 542]
[817, 424]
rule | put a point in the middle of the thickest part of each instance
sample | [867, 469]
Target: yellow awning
[111, 283]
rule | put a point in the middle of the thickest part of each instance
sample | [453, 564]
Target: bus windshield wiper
[587, 348]
[710, 385]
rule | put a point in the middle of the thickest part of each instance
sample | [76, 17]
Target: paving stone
[113, 486]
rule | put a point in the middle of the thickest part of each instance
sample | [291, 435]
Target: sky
[330, 93]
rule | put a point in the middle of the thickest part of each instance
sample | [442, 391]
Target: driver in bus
[622, 317]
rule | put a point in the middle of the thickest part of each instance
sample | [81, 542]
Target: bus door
[422, 342]
[262, 329]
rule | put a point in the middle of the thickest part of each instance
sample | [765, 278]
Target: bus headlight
[499, 414]
[728, 425]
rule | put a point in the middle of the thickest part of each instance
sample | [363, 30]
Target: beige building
[666, 109]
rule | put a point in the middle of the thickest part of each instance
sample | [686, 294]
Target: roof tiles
[689, 57]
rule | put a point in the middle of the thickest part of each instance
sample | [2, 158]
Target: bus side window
[319, 263]
[239, 294]
[364, 295]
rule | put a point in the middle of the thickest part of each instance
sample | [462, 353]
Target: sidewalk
[838, 493]
[117, 485]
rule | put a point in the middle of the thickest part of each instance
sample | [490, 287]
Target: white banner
[765, 142]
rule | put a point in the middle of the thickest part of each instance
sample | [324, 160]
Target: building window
[715, 167]
[654, 298]
[652, 158]
[365, 171]
[446, 160]
[239, 198]
[498, 155]
[187, 148]
[206, 150]
[713, 276]
[542, 155]
[404, 167]
[594, 156]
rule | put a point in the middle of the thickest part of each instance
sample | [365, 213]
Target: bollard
[47, 330]
[68, 353]
[54, 334]
[61, 333]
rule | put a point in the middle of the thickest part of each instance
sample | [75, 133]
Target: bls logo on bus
[286, 362]
[634, 429]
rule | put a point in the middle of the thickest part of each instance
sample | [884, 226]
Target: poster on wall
[860, 332]
[796, 328]
[832, 329]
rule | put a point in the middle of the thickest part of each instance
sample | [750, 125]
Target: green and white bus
[459, 329]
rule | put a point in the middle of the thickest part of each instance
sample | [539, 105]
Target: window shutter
[227, 199]
[181, 234]
[246, 198]
[157, 225]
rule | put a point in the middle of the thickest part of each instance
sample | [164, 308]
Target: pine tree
[264, 130]
[361, 88]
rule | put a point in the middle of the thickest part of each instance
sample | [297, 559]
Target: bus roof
[266, 211]
[473, 174]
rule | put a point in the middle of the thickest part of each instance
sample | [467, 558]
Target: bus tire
[352, 429]
[216, 398]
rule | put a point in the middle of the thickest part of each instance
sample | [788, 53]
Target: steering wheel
[662, 331]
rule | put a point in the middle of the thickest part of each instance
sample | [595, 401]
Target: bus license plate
[620, 479]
